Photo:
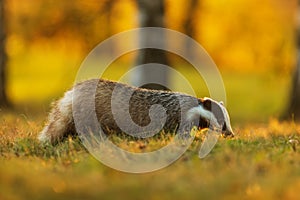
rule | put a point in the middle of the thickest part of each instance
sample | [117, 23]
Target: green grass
[259, 163]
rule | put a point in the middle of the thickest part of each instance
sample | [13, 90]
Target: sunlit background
[251, 41]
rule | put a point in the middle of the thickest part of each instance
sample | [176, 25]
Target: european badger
[178, 107]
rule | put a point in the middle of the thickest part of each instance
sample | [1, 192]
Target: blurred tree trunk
[188, 24]
[294, 104]
[3, 98]
[151, 14]
[190, 16]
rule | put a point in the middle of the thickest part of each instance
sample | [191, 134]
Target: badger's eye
[224, 127]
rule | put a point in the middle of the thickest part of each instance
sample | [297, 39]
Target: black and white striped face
[212, 114]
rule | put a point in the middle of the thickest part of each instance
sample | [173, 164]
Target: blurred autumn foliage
[240, 35]
[47, 41]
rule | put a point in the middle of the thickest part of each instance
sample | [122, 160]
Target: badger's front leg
[60, 120]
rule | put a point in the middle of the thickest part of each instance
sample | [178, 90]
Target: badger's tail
[60, 120]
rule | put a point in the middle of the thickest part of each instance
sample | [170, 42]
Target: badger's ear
[206, 104]
[222, 103]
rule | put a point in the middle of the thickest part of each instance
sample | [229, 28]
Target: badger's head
[212, 114]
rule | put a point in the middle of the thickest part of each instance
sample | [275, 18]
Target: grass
[261, 162]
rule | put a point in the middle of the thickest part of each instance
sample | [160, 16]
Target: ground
[261, 162]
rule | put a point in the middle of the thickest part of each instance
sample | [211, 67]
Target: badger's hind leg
[60, 120]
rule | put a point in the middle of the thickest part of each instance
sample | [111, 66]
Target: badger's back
[111, 96]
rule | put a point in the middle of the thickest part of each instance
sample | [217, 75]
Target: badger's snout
[228, 133]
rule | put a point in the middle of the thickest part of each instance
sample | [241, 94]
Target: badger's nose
[228, 133]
